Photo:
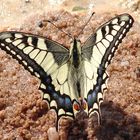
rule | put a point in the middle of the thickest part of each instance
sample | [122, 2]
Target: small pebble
[53, 134]
[124, 63]
[27, 1]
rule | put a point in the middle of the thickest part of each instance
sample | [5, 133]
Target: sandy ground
[23, 114]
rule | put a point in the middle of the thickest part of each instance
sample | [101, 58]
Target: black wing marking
[97, 52]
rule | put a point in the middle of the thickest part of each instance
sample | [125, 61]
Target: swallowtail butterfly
[72, 79]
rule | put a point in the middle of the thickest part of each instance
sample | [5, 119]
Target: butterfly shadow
[116, 125]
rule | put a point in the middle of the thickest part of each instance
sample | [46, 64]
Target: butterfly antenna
[68, 34]
[87, 22]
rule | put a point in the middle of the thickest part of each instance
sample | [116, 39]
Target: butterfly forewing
[98, 51]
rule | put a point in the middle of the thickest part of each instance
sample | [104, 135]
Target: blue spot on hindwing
[92, 98]
[68, 103]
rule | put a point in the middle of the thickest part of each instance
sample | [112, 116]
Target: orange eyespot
[76, 106]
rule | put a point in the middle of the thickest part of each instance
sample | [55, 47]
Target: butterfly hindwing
[98, 51]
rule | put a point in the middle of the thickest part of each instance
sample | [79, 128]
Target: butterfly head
[75, 42]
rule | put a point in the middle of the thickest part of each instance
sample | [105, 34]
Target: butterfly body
[71, 80]
[75, 67]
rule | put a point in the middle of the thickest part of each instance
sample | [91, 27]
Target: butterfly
[71, 80]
